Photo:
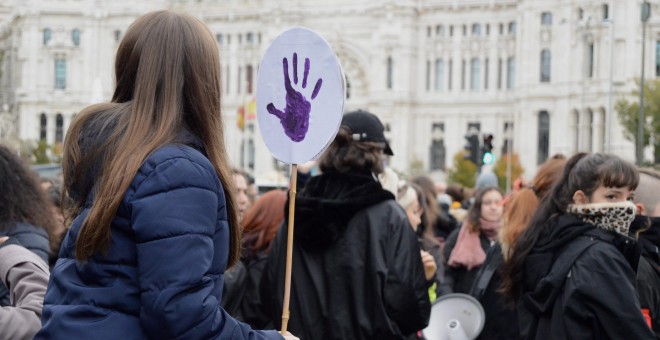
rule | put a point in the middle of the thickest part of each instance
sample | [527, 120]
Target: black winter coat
[501, 320]
[579, 283]
[459, 279]
[357, 270]
[648, 273]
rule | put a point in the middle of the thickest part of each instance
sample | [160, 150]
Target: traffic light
[471, 148]
[488, 157]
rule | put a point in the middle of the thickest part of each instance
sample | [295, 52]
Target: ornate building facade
[542, 76]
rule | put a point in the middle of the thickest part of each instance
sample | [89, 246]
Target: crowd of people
[151, 234]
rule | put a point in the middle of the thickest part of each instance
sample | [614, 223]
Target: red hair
[262, 221]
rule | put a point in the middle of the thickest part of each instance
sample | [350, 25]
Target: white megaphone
[455, 317]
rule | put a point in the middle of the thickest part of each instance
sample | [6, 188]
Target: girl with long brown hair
[152, 197]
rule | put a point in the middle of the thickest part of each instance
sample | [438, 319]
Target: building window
[511, 73]
[248, 78]
[499, 73]
[117, 34]
[475, 73]
[428, 75]
[508, 138]
[463, 71]
[249, 38]
[59, 128]
[657, 58]
[43, 126]
[239, 89]
[348, 88]
[450, 69]
[440, 30]
[75, 37]
[428, 31]
[545, 66]
[60, 73]
[389, 73]
[48, 34]
[439, 74]
[464, 30]
[451, 30]
[501, 28]
[590, 131]
[606, 12]
[487, 29]
[227, 78]
[486, 74]
[590, 60]
[544, 137]
[512, 27]
[240, 38]
[546, 18]
[476, 29]
[219, 38]
[580, 13]
[438, 151]
[259, 38]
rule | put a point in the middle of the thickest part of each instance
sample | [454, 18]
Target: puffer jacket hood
[329, 201]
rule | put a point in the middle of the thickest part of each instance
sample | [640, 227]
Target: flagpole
[289, 247]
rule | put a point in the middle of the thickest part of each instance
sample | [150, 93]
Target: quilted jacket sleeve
[174, 215]
[27, 276]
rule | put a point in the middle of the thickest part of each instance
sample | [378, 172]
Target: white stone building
[429, 68]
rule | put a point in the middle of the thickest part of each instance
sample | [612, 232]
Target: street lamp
[646, 14]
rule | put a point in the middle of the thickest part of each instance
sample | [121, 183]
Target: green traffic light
[488, 158]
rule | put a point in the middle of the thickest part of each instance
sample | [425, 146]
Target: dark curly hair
[22, 199]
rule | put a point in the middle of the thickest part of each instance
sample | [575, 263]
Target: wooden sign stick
[289, 247]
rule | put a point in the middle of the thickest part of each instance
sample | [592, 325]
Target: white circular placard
[300, 96]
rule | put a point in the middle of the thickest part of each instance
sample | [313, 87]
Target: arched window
[59, 128]
[606, 12]
[544, 137]
[439, 74]
[43, 126]
[75, 37]
[389, 73]
[48, 34]
[60, 73]
[545, 65]
[511, 73]
[475, 73]
[438, 151]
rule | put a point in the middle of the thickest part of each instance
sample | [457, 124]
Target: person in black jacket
[572, 271]
[466, 247]
[25, 212]
[647, 223]
[501, 319]
[357, 271]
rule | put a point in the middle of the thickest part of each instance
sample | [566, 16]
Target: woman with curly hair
[25, 212]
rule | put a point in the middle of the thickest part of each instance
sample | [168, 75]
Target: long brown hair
[262, 221]
[522, 206]
[167, 71]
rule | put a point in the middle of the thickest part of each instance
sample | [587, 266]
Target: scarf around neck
[468, 251]
[615, 217]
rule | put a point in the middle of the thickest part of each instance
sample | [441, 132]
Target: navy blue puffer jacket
[163, 275]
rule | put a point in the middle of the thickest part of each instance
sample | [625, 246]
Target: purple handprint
[295, 118]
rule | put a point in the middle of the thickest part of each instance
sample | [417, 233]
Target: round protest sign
[300, 96]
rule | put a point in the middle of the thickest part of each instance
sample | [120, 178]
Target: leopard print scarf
[614, 217]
